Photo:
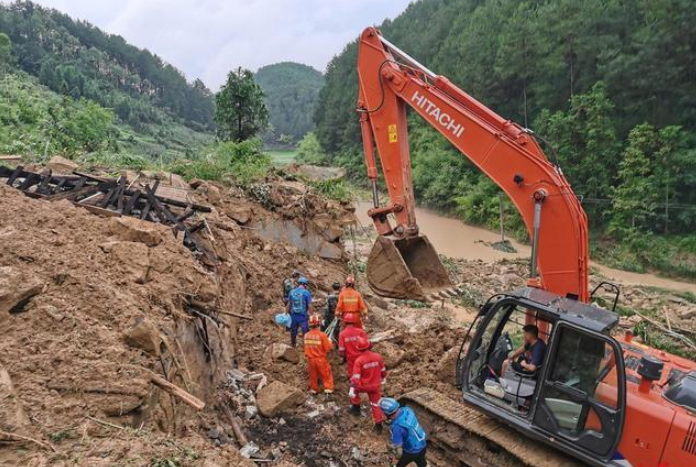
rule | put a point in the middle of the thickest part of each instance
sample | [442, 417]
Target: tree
[5, 51]
[240, 111]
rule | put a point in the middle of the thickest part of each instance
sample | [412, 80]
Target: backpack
[297, 301]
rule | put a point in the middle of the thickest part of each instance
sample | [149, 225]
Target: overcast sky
[207, 38]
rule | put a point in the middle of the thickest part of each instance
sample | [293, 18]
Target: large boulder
[134, 230]
[239, 214]
[330, 251]
[17, 288]
[277, 398]
[144, 335]
[391, 353]
[61, 165]
[278, 351]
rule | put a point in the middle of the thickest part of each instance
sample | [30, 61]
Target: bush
[309, 151]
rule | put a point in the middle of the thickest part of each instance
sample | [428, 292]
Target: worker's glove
[351, 393]
[384, 381]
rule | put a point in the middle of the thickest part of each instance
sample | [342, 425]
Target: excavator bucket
[406, 268]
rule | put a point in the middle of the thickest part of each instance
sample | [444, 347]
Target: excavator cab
[407, 268]
[576, 399]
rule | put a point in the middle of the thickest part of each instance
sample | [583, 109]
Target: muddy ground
[100, 305]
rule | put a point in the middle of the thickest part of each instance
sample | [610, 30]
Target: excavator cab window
[581, 397]
[502, 384]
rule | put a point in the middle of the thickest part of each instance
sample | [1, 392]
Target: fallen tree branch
[176, 391]
[16, 437]
[102, 422]
[667, 331]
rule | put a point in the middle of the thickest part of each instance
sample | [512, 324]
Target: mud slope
[93, 307]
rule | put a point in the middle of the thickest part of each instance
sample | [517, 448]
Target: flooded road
[455, 239]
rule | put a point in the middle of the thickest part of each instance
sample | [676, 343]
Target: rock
[61, 165]
[330, 251]
[120, 406]
[143, 335]
[250, 450]
[392, 355]
[239, 214]
[12, 415]
[250, 411]
[17, 288]
[277, 398]
[279, 351]
[214, 433]
[447, 366]
[134, 230]
[377, 301]
[333, 233]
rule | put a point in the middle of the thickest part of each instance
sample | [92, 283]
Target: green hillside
[610, 84]
[57, 65]
[291, 92]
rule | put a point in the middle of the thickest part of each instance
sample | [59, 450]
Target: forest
[610, 86]
[291, 91]
[77, 59]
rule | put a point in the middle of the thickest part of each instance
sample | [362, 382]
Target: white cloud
[207, 38]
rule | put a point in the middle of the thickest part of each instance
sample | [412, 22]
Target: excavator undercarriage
[461, 436]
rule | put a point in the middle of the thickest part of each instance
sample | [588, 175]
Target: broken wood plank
[131, 202]
[44, 187]
[72, 194]
[212, 309]
[10, 158]
[236, 426]
[106, 201]
[15, 174]
[31, 180]
[97, 210]
[176, 391]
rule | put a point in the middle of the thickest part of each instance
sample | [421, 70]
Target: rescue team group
[343, 322]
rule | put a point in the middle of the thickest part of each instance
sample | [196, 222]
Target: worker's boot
[355, 410]
[293, 341]
[378, 428]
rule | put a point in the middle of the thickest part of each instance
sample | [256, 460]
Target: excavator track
[461, 436]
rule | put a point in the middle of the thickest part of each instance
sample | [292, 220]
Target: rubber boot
[355, 410]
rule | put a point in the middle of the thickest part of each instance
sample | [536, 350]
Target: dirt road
[455, 239]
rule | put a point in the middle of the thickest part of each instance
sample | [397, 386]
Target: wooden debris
[5, 436]
[236, 426]
[176, 391]
[115, 197]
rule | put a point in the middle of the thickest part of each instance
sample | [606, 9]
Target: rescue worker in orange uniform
[369, 374]
[351, 301]
[316, 346]
[347, 340]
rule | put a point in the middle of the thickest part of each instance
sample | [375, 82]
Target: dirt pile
[94, 308]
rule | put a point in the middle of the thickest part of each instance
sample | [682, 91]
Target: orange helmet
[350, 280]
[350, 318]
[363, 344]
[315, 320]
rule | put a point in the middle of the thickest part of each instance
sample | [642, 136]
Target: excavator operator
[530, 356]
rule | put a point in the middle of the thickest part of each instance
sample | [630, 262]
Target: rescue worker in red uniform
[369, 374]
[351, 301]
[316, 346]
[347, 340]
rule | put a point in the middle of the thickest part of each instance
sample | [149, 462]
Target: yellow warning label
[393, 138]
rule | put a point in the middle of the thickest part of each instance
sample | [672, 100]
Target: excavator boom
[390, 80]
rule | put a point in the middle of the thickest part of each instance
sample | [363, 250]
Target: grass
[282, 156]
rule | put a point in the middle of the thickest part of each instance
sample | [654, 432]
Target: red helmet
[314, 320]
[351, 318]
[350, 280]
[363, 344]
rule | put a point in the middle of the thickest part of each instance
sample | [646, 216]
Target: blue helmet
[388, 405]
[302, 280]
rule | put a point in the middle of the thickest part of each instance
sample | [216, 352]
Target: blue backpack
[298, 301]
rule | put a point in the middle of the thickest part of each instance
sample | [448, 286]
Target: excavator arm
[390, 80]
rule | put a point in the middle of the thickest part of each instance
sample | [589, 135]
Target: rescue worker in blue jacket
[408, 437]
[299, 306]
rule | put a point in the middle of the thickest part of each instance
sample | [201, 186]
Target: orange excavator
[597, 399]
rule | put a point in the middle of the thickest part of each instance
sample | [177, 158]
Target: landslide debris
[94, 309]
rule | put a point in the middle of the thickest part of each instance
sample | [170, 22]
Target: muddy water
[455, 239]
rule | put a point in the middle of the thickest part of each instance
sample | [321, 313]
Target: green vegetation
[283, 157]
[291, 91]
[76, 59]
[607, 86]
[239, 162]
[240, 112]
